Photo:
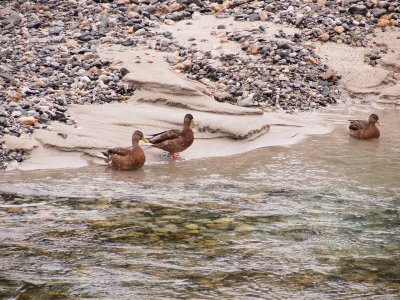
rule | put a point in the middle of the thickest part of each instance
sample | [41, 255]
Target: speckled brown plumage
[174, 141]
[126, 158]
[365, 129]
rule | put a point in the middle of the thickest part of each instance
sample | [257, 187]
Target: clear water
[320, 219]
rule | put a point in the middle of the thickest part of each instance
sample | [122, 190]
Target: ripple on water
[316, 220]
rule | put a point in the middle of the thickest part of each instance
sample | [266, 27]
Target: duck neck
[186, 126]
[135, 143]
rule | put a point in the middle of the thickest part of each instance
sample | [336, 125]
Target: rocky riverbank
[260, 54]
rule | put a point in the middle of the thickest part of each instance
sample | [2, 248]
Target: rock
[339, 29]
[85, 37]
[175, 7]
[382, 23]
[311, 60]
[244, 228]
[224, 220]
[179, 66]
[188, 63]
[329, 74]
[221, 96]
[4, 122]
[55, 30]
[299, 19]
[27, 120]
[11, 20]
[358, 9]
[254, 49]
[263, 15]
[254, 17]
[172, 59]
[123, 71]
[325, 91]
[282, 77]
[16, 95]
[215, 7]
[6, 76]
[85, 79]
[324, 37]
[396, 75]
[169, 22]
[192, 226]
[71, 44]
[16, 114]
[34, 24]
[128, 42]
[378, 12]
[283, 45]
[247, 101]
[196, 16]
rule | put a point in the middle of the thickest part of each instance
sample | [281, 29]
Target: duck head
[138, 136]
[373, 118]
[189, 121]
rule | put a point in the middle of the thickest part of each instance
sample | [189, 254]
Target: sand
[164, 96]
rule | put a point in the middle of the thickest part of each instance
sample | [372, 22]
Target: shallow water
[320, 219]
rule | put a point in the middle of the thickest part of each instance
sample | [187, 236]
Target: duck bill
[194, 123]
[145, 140]
[379, 123]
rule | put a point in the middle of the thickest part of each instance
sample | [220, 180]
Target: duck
[365, 129]
[174, 141]
[127, 158]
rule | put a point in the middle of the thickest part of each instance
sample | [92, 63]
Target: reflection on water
[316, 220]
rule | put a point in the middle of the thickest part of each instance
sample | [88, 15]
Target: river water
[319, 219]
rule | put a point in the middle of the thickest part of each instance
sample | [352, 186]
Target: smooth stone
[358, 9]
[16, 113]
[85, 37]
[34, 24]
[55, 30]
[378, 12]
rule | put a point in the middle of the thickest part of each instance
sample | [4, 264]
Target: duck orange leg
[175, 156]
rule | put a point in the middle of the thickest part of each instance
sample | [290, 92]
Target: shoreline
[164, 91]
[328, 125]
[285, 130]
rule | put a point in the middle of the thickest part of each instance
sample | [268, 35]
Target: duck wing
[358, 124]
[118, 151]
[164, 136]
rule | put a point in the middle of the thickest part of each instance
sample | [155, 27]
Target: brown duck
[127, 158]
[365, 129]
[174, 141]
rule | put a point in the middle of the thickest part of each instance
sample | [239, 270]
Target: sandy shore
[164, 96]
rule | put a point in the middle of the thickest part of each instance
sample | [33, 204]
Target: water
[316, 220]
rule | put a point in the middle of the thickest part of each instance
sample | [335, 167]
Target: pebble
[339, 29]
[324, 37]
[383, 23]
[27, 120]
[359, 9]
[329, 74]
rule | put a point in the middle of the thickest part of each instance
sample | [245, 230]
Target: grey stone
[378, 12]
[358, 9]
